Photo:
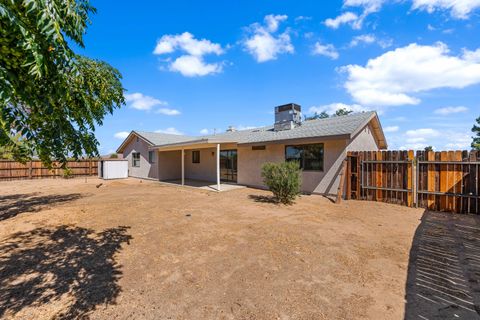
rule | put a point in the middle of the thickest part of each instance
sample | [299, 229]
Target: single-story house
[237, 156]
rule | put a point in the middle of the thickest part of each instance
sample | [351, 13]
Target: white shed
[113, 169]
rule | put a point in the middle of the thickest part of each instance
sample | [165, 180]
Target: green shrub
[114, 156]
[67, 173]
[283, 179]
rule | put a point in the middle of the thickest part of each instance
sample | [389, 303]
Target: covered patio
[205, 185]
[198, 163]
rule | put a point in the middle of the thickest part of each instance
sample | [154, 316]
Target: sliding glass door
[228, 165]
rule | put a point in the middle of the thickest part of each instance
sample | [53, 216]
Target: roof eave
[299, 139]
[378, 130]
[191, 143]
[127, 139]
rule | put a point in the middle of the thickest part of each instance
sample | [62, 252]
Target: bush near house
[283, 179]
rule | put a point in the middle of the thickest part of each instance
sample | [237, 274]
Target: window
[258, 148]
[151, 156]
[196, 156]
[136, 159]
[310, 156]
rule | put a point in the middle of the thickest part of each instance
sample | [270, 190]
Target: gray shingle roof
[157, 138]
[334, 126]
[344, 125]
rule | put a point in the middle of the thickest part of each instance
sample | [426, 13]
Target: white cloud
[344, 18]
[327, 50]
[141, 102]
[192, 62]
[186, 42]
[168, 111]
[391, 129]
[439, 139]
[394, 77]
[170, 130]
[204, 131]
[368, 5]
[333, 107]
[364, 38]
[460, 9]
[369, 39]
[273, 22]
[422, 133]
[263, 43]
[121, 135]
[193, 66]
[449, 110]
[473, 56]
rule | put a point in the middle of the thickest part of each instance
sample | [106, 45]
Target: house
[237, 156]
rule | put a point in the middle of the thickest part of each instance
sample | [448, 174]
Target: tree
[51, 98]
[476, 138]
[316, 115]
[428, 148]
[283, 179]
[342, 112]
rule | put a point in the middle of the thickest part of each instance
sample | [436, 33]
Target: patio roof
[198, 143]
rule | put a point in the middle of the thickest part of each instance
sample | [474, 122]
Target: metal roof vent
[287, 116]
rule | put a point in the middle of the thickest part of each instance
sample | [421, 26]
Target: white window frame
[151, 156]
[134, 161]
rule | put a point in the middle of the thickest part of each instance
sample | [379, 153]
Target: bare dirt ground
[134, 249]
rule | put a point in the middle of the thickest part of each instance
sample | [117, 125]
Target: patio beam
[183, 166]
[218, 166]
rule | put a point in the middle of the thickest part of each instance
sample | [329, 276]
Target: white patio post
[218, 166]
[183, 167]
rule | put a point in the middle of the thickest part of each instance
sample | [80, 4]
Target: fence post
[349, 176]
[30, 169]
[410, 179]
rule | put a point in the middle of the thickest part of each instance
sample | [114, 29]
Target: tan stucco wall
[169, 165]
[205, 170]
[322, 182]
[250, 163]
[363, 141]
[146, 170]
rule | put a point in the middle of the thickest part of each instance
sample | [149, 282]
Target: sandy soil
[134, 249]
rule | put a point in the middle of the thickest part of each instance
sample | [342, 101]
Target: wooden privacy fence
[442, 181]
[13, 170]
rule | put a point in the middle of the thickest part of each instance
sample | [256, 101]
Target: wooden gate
[448, 181]
[442, 181]
[381, 176]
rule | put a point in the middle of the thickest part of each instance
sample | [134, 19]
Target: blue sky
[192, 67]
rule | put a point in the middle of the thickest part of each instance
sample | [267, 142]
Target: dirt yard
[133, 249]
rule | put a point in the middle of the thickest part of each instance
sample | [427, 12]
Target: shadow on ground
[263, 199]
[444, 268]
[13, 205]
[65, 263]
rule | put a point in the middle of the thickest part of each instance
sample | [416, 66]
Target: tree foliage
[476, 138]
[316, 115]
[342, 112]
[51, 98]
[283, 179]
[324, 114]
